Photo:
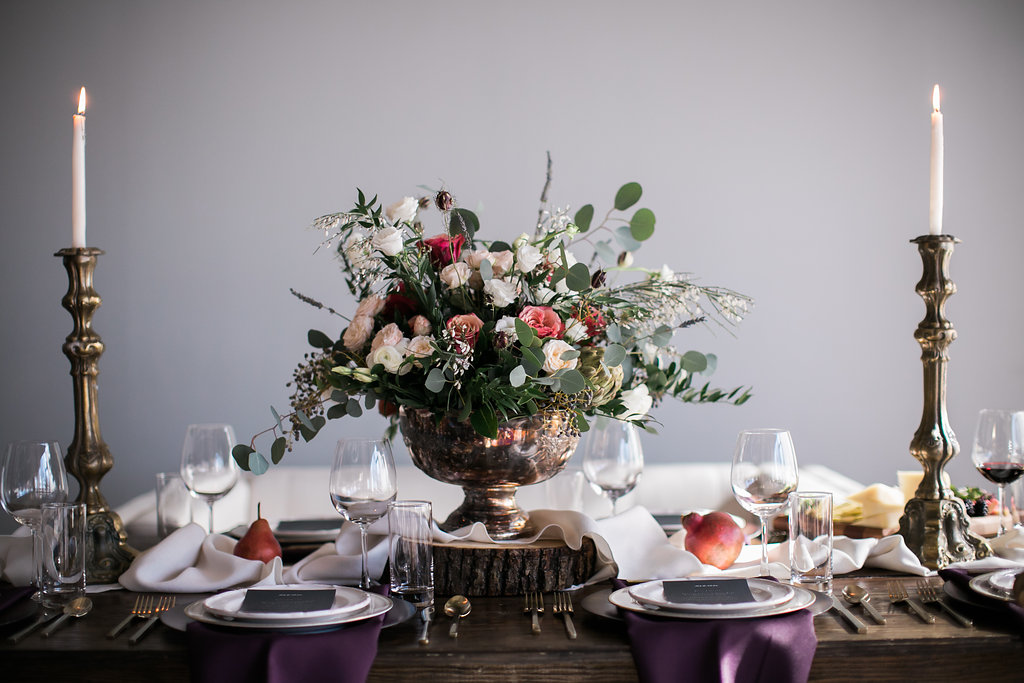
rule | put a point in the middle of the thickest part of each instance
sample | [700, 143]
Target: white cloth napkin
[190, 561]
[16, 557]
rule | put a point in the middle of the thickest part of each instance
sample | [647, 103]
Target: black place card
[288, 600]
[708, 592]
[293, 525]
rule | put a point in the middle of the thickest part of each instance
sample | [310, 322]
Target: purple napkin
[774, 649]
[962, 580]
[12, 595]
[221, 655]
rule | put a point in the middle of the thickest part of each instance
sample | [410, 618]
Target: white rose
[420, 325]
[553, 361]
[521, 240]
[420, 347]
[637, 401]
[544, 295]
[389, 335]
[456, 274]
[575, 331]
[403, 211]
[390, 357]
[388, 241]
[501, 293]
[528, 257]
[357, 333]
[370, 306]
[475, 258]
[505, 324]
[502, 262]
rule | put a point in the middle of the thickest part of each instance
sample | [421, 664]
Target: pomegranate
[714, 538]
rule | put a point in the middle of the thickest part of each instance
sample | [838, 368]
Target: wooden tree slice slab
[476, 569]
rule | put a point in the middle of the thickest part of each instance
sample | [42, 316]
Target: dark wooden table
[496, 643]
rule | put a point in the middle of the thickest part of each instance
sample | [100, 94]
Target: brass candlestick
[88, 458]
[934, 522]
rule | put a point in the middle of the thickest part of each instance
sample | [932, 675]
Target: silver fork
[534, 605]
[563, 606]
[141, 608]
[930, 593]
[898, 594]
[165, 603]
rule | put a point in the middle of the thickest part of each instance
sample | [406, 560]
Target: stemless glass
[998, 451]
[207, 467]
[763, 475]
[33, 474]
[613, 458]
[363, 482]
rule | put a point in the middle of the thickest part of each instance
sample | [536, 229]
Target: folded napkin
[344, 655]
[191, 561]
[769, 649]
[16, 557]
[962, 579]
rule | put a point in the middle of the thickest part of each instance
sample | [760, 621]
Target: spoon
[858, 594]
[78, 607]
[457, 607]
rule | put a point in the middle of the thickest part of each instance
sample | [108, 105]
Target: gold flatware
[859, 595]
[534, 606]
[930, 593]
[457, 607]
[898, 595]
[42, 619]
[78, 607]
[563, 606]
[142, 605]
[165, 603]
[856, 623]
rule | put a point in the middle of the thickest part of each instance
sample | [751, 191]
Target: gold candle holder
[934, 523]
[88, 458]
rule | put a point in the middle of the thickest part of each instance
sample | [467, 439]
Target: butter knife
[856, 623]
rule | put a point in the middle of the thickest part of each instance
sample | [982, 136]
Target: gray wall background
[783, 146]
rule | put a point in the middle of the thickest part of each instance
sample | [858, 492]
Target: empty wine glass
[613, 458]
[764, 473]
[363, 482]
[33, 474]
[207, 467]
[998, 451]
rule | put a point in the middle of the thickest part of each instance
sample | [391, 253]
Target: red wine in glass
[1001, 473]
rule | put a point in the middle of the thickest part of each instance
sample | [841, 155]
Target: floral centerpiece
[482, 331]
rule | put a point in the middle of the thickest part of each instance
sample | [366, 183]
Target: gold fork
[930, 593]
[563, 606]
[534, 606]
[165, 603]
[141, 608]
[898, 594]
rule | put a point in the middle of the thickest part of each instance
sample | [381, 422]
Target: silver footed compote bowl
[527, 450]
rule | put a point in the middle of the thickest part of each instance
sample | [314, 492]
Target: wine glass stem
[1002, 511]
[364, 580]
[210, 504]
[764, 547]
[37, 561]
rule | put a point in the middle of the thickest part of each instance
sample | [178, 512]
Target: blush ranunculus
[543, 320]
[465, 327]
[443, 249]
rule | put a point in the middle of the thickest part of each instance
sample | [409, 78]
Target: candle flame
[935, 97]
[81, 101]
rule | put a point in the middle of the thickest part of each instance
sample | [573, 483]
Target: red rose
[543, 320]
[465, 327]
[443, 249]
[398, 302]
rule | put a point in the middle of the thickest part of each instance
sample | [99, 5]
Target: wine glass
[363, 482]
[998, 451]
[613, 458]
[763, 475]
[207, 467]
[33, 474]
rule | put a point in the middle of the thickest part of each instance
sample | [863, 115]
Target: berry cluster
[979, 503]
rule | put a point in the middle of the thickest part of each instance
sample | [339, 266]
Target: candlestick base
[88, 458]
[934, 523]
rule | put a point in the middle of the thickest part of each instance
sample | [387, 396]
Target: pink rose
[389, 335]
[465, 327]
[357, 332]
[420, 326]
[502, 261]
[543, 320]
[370, 306]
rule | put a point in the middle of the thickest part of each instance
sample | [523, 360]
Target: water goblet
[363, 482]
[998, 451]
[207, 467]
[613, 458]
[764, 473]
[33, 474]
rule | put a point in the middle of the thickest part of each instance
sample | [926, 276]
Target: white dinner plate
[229, 605]
[766, 594]
[378, 604]
[991, 584]
[802, 599]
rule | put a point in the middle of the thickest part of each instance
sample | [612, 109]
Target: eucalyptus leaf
[464, 221]
[486, 270]
[518, 376]
[353, 408]
[277, 449]
[614, 334]
[578, 277]
[304, 419]
[694, 361]
[339, 396]
[570, 354]
[583, 217]
[572, 381]
[712, 361]
[625, 238]
[241, 455]
[662, 336]
[614, 354]
[526, 334]
[641, 226]
[319, 339]
[277, 419]
[607, 254]
[435, 380]
[498, 246]
[257, 463]
[627, 196]
[337, 410]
